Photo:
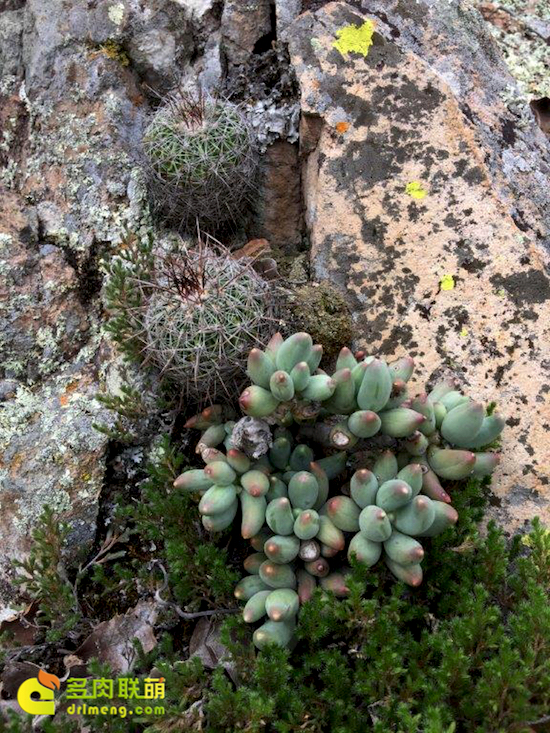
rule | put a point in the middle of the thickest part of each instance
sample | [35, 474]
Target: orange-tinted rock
[405, 217]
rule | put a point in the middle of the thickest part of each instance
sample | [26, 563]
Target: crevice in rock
[541, 110]
[269, 74]
[117, 485]
[87, 271]
[313, 5]
[265, 43]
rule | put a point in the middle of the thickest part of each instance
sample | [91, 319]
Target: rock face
[244, 25]
[515, 151]
[282, 218]
[412, 213]
[78, 80]
[68, 192]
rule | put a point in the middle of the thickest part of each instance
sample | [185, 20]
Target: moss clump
[322, 311]
[114, 50]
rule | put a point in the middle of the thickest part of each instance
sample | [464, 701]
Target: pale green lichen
[57, 445]
[95, 177]
[8, 174]
[116, 13]
[5, 240]
[524, 50]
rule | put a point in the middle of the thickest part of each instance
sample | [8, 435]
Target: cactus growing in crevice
[200, 157]
[194, 313]
[279, 484]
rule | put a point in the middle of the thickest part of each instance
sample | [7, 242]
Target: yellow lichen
[355, 39]
[416, 190]
[447, 282]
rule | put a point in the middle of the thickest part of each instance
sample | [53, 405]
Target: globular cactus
[204, 311]
[200, 157]
[296, 525]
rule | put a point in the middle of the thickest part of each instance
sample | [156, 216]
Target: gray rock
[50, 455]
[155, 37]
[473, 67]
[11, 42]
[197, 8]
[211, 73]
[412, 216]
[287, 11]
[160, 44]
[153, 52]
[244, 23]
[73, 128]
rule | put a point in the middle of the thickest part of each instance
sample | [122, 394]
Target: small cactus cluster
[295, 523]
[200, 157]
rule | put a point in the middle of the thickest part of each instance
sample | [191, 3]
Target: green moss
[322, 311]
[114, 50]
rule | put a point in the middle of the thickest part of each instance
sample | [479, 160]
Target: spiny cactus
[295, 523]
[204, 312]
[193, 311]
[200, 157]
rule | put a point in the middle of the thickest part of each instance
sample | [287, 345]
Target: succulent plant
[296, 524]
[200, 156]
[370, 398]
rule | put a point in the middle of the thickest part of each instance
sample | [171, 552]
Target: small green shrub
[43, 576]
[467, 653]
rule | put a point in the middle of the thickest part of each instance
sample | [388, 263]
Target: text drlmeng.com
[122, 711]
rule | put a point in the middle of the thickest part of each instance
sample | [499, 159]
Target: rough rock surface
[516, 152]
[413, 215]
[68, 192]
[244, 25]
[78, 80]
[282, 220]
